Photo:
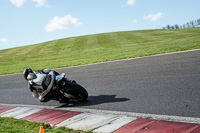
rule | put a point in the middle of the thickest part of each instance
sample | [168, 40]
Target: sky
[26, 22]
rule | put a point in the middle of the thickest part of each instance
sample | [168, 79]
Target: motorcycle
[64, 89]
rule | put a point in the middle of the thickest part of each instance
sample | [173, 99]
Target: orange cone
[41, 129]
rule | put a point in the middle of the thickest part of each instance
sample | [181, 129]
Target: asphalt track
[165, 85]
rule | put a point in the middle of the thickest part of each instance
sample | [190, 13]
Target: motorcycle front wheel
[77, 91]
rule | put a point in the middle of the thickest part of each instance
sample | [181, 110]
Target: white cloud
[153, 17]
[62, 23]
[17, 3]
[40, 2]
[135, 21]
[131, 2]
[3, 39]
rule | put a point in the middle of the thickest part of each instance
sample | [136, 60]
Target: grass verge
[97, 48]
[10, 125]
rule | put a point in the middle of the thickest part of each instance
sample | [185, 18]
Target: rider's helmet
[27, 72]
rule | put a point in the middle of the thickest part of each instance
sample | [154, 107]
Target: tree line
[193, 23]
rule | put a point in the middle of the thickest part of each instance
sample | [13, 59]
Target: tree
[188, 25]
[176, 26]
[195, 23]
[198, 21]
[184, 26]
[168, 26]
[192, 23]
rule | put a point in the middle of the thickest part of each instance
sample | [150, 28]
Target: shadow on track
[94, 100]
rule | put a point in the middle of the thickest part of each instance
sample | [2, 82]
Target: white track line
[120, 60]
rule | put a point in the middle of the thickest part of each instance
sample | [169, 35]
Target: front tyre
[77, 91]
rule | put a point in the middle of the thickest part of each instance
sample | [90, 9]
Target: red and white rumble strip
[97, 122]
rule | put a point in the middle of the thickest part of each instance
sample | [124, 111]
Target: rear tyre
[77, 91]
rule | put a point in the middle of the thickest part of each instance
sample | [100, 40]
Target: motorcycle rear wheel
[77, 91]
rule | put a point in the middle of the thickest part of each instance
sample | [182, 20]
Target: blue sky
[26, 22]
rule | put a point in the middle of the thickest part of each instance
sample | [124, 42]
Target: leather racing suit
[41, 83]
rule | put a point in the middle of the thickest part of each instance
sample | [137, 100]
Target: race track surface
[165, 84]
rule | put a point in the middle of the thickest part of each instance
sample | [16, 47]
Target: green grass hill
[97, 48]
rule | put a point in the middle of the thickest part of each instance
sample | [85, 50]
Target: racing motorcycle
[64, 89]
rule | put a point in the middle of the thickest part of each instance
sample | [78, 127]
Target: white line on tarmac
[120, 60]
[128, 114]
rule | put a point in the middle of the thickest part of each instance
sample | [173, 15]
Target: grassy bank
[97, 48]
[10, 125]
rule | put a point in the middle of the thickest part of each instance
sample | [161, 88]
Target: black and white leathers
[41, 82]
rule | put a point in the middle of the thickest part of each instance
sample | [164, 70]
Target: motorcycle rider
[40, 82]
